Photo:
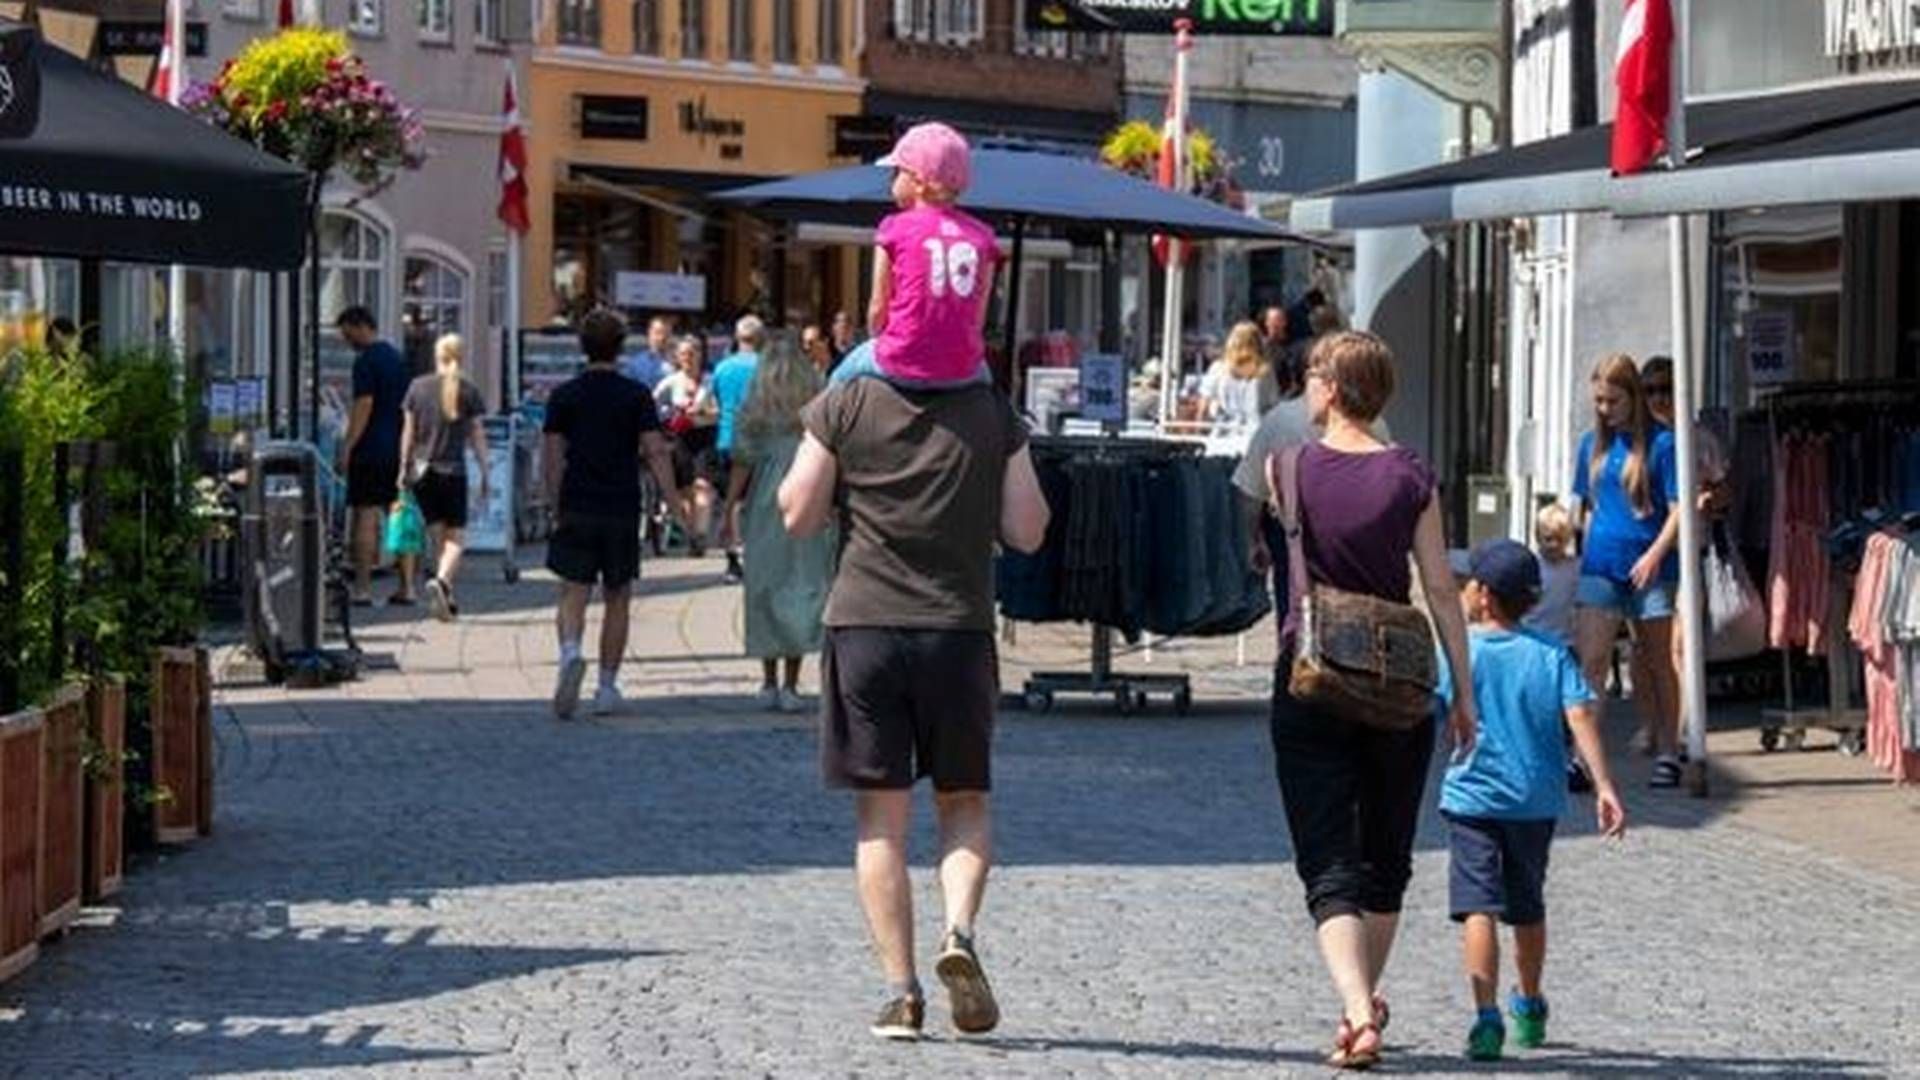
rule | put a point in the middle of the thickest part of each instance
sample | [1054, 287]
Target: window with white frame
[646, 27]
[366, 16]
[433, 302]
[579, 22]
[693, 29]
[1091, 46]
[241, 9]
[740, 30]
[490, 21]
[1036, 42]
[353, 264]
[496, 287]
[786, 35]
[435, 19]
[913, 20]
[826, 48]
[958, 22]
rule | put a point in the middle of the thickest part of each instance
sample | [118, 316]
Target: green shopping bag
[406, 529]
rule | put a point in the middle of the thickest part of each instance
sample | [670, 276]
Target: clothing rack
[1130, 690]
[1788, 724]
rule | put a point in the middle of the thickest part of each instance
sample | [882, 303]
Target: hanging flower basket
[1134, 148]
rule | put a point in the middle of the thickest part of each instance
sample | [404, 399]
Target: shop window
[826, 46]
[740, 30]
[786, 43]
[433, 302]
[34, 292]
[1780, 274]
[594, 240]
[579, 22]
[353, 271]
[646, 27]
[436, 19]
[490, 20]
[913, 20]
[1090, 46]
[366, 16]
[693, 29]
[1083, 299]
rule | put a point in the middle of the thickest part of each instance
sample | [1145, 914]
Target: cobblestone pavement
[422, 874]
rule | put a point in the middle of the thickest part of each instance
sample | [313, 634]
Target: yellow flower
[284, 67]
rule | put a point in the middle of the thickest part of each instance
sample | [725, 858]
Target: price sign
[1770, 352]
[1103, 388]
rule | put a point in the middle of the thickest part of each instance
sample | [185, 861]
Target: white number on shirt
[958, 266]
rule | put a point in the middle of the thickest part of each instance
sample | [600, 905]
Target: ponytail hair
[447, 355]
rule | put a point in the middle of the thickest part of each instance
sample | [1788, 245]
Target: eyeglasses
[1659, 389]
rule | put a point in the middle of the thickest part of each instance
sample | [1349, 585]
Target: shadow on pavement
[95, 1045]
[1560, 1059]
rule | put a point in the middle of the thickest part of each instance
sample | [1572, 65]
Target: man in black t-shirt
[598, 424]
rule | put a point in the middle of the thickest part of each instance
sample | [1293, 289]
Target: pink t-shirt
[942, 263]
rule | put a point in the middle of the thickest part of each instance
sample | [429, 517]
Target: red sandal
[1380, 1013]
[1355, 1049]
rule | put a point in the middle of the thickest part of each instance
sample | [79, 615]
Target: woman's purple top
[1358, 515]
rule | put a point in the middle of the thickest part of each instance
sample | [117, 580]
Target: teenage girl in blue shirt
[1624, 475]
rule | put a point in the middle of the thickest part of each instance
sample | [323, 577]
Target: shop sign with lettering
[728, 131]
[144, 37]
[1871, 27]
[605, 116]
[1312, 18]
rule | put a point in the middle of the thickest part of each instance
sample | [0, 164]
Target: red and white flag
[165, 82]
[1643, 75]
[513, 163]
[1167, 175]
[286, 16]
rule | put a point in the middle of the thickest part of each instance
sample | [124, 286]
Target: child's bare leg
[1481, 938]
[1530, 956]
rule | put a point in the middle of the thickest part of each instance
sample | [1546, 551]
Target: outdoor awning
[109, 172]
[1747, 151]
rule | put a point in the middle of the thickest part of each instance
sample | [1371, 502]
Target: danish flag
[513, 163]
[165, 71]
[1643, 75]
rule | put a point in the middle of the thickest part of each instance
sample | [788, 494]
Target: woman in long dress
[786, 579]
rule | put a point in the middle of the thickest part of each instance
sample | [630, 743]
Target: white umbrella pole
[176, 42]
[1170, 367]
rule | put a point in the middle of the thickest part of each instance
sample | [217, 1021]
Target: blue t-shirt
[1523, 683]
[731, 381]
[1618, 536]
[645, 367]
[379, 372]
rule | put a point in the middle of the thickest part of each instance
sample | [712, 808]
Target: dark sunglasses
[1659, 389]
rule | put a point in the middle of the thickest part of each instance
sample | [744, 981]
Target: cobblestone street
[424, 874]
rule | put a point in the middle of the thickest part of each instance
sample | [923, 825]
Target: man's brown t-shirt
[918, 501]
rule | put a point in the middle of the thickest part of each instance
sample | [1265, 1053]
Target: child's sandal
[1355, 1049]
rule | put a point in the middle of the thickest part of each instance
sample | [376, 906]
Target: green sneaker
[1529, 1020]
[1487, 1040]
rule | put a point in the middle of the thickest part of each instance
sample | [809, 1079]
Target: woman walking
[1353, 791]
[690, 416]
[440, 422]
[786, 579]
[1625, 477]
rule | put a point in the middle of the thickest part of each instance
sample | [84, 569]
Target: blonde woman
[1240, 387]
[441, 420]
[786, 579]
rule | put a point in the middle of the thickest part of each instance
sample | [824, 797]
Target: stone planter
[182, 712]
[105, 829]
[22, 760]
[63, 791]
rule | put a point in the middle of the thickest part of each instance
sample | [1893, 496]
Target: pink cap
[935, 153]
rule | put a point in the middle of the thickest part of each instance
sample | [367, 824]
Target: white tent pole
[1693, 673]
[1170, 370]
[176, 44]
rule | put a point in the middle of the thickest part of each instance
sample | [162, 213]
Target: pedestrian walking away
[1502, 799]
[599, 425]
[370, 452]
[921, 485]
[732, 378]
[441, 422]
[1352, 791]
[933, 269]
[786, 576]
[1624, 474]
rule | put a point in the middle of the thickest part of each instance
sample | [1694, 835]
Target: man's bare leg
[966, 845]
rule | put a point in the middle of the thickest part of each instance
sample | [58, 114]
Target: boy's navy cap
[1507, 568]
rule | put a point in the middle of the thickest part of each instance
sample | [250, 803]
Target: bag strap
[1283, 480]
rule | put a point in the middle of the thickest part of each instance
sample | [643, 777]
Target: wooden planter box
[22, 759]
[63, 815]
[105, 835]
[182, 745]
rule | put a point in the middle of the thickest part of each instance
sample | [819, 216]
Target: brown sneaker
[900, 1020]
[974, 1010]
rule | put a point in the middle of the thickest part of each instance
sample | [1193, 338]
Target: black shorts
[372, 483]
[443, 498]
[589, 548]
[1498, 868]
[897, 705]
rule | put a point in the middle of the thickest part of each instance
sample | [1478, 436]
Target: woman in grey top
[441, 421]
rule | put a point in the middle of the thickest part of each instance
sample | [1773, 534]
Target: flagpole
[513, 322]
[175, 48]
[1170, 359]
[1693, 689]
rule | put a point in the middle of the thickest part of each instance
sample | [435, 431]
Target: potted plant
[22, 758]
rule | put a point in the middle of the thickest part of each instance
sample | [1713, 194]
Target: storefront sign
[1770, 347]
[1249, 17]
[145, 37]
[1870, 27]
[695, 120]
[19, 82]
[865, 137]
[605, 116]
[659, 292]
[223, 407]
[489, 522]
[1103, 388]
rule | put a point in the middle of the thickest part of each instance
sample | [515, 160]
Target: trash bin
[284, 547]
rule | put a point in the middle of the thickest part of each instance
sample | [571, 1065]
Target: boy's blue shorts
[1498, 868]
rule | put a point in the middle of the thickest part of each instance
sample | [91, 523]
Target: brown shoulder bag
[1368, 660]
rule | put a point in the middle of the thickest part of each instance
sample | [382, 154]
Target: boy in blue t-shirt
[1502, 799]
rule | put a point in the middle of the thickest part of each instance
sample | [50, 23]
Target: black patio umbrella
[91, 167]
